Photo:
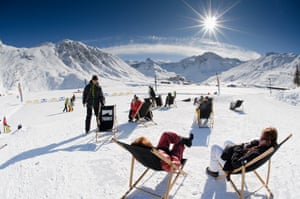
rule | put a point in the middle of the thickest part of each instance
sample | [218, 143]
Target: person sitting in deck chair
[169, 100]
[233, 155]
[167, 138]
[5, 125]
[135, 105]
[204, 110]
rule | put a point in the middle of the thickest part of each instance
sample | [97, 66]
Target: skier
[92, 98]
[66, 105]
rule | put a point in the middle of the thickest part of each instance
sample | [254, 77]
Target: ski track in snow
[50, 157]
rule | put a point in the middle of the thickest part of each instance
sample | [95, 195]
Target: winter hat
[95, 77]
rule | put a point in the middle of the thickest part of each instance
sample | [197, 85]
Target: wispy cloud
[180, 47]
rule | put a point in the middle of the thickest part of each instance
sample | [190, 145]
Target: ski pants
[175, 154]
[215, 156]
[89, 111]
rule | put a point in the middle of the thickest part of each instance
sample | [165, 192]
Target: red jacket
[135, 106]
[4, 121]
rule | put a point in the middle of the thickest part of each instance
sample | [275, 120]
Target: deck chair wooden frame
[114, 128]
[172, 176]
[172, 102]
[140, 115]
[209, 121]
[252, 166]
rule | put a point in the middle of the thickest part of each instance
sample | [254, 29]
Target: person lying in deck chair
[167, 138]
[233, 156]
[169, 100]
[204, 110]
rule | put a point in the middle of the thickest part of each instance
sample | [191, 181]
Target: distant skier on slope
[92, 98]
[66, 105]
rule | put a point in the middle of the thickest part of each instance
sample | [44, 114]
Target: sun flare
[210, 23]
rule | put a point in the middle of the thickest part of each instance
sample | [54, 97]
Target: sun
[210, 23]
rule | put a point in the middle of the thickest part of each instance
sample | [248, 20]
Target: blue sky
[161, 29]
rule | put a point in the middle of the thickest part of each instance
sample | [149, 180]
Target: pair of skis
[2, 146]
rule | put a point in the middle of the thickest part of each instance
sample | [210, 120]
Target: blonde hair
[142, 141]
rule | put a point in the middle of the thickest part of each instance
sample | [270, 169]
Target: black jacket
[237, 155]
[91, 101]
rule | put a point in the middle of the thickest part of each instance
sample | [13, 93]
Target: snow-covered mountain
[151, 68]
[64, 65]
[199, 68]
[272, 69]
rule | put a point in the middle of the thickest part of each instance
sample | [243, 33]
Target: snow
[51, 158]
[272, 69]
[65, 65]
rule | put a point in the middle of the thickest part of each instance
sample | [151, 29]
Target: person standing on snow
[92, 98]
[152, 96]
[66, 105]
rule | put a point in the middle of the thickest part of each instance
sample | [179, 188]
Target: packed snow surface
[50, 157]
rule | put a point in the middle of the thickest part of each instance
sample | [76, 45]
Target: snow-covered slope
[272, 69]
[51, 158]
[150, 68]
[60, 66]
[199, 68]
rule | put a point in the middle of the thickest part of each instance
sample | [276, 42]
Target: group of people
[168, 101]
[69, 104]
[230, 157]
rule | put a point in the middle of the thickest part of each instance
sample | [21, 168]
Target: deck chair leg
[166, 196]
[131, 172]
[265, 184]
[268, 173]
[243, 182]
[131, 184]
[235, 188]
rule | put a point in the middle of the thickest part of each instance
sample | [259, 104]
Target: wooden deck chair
[205, 118]
[107, 120]
[171, 101]
[145, 112]
[252, 166]
[151, 159]
[236, 105]
[158, 101]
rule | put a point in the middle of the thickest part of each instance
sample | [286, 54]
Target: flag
[20, 92]
[218, 83]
